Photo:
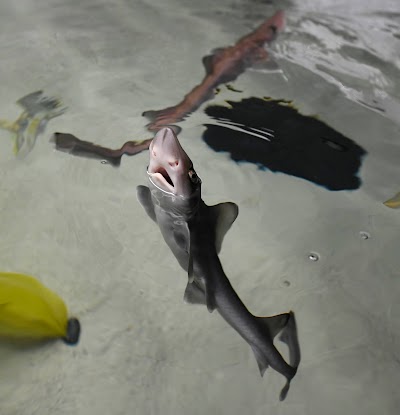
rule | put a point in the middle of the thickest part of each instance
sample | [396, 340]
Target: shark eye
[194, 178]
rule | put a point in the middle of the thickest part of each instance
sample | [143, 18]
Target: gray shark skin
[194, 232]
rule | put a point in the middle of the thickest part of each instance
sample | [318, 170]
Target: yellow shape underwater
[393, 202]
[28, 309]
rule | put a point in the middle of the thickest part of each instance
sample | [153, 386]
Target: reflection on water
[354, 47]
[225, 64]
[38, 110]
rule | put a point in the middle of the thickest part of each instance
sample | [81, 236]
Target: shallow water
[76, 224]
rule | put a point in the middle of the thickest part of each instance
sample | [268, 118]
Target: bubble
[313, 256]
[104, 162]
[364, 235]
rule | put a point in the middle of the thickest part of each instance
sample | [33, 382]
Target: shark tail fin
[286, 324]
[289, 377]
[273, 325]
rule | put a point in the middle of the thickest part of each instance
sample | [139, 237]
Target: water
[76, 224]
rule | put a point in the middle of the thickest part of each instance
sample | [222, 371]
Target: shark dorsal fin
[223, 214]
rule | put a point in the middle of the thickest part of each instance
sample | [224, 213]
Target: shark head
[170, 169]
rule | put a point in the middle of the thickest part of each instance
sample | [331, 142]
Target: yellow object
[38, 109]
[393, 202]
[28, 309]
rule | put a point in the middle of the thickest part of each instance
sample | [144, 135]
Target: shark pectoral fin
[275, 324]
[144, 197]
[194, 294]
[261, 360]
[224, 214]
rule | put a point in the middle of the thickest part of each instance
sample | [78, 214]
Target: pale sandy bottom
[76, 224]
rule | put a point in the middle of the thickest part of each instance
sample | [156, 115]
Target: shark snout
[166, 150]
[169, 164]
[163, 155]
[174, 163]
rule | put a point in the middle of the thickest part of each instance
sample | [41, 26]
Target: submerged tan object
[393, 202]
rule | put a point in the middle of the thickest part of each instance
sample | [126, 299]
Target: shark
[194, 232]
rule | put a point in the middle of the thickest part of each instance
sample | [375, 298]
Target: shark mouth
[162, 180]
[161, 171]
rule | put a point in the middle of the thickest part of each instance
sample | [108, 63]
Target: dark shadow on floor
[274, 135]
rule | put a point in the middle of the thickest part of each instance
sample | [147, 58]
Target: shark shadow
[274, 135]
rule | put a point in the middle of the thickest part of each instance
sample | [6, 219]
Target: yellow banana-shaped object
[30, 310]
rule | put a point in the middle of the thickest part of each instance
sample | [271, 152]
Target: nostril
[174, 163]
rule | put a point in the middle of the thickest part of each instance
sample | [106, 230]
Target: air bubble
[313, 256]
[364, 235]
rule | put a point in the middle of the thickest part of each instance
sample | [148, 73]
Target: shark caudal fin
[286, 324]
[290, 337]
[273, 326]
[223, 214]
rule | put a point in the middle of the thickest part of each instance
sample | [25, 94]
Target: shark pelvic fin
[194, 294]
[224, 214]
[275, 324]
[144, 196]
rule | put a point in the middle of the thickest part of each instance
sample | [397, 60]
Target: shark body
[194, 232]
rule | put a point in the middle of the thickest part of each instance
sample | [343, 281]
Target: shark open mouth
[165, 175]
[161, 179]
